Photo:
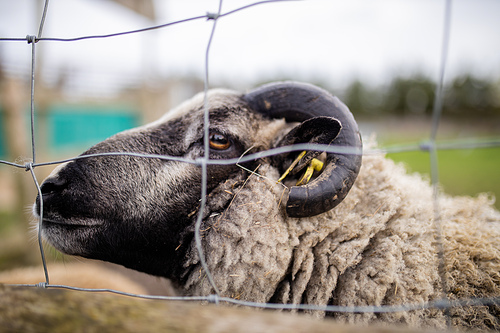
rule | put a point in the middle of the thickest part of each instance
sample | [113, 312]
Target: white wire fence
[431, 146]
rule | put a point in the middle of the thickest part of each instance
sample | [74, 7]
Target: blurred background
[380, 57]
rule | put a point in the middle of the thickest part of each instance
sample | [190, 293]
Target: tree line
[465, 95]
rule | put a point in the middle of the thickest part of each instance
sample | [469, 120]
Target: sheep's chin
[68, 236]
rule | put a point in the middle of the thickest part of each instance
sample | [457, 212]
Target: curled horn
[298, 102]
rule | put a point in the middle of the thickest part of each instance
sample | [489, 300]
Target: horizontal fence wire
[208, 16]
[431, 146]
[437, 304]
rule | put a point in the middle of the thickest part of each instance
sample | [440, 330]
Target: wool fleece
[378, 247]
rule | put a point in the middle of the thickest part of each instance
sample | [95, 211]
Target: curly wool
[378, 247]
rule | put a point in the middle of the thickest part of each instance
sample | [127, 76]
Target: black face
[135, 211]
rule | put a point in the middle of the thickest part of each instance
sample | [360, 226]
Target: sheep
[371, 240]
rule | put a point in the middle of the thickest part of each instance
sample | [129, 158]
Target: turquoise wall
[74, 128]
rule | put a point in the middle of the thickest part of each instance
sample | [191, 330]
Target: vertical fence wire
[436, 117]
[431, 147]
[206, 157]
[33, 40]
[39, 231]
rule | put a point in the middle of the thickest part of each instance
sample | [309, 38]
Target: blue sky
[332, 40]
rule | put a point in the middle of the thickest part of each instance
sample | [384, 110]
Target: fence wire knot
[28, 166]
[31, 39]
[212, 16]
[427, 146]
[42, 285]
[214, 299]
[200, 161]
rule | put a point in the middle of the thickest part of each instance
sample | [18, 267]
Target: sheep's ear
[318, 130]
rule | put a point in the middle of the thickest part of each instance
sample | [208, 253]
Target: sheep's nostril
[49, 189]
[53, 186]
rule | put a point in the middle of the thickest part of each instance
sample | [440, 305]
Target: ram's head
[133, 210]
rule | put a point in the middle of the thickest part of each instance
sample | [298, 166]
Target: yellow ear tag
[314, 165]
[290, 168]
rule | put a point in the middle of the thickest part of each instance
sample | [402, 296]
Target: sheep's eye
[219, 141]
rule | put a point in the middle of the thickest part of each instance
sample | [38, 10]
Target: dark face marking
[135, 211]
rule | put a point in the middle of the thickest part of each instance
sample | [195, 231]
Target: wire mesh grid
[431, 146]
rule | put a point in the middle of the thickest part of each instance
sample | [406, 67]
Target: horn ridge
[294, 101]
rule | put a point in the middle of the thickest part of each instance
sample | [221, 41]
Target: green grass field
[461, 172]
